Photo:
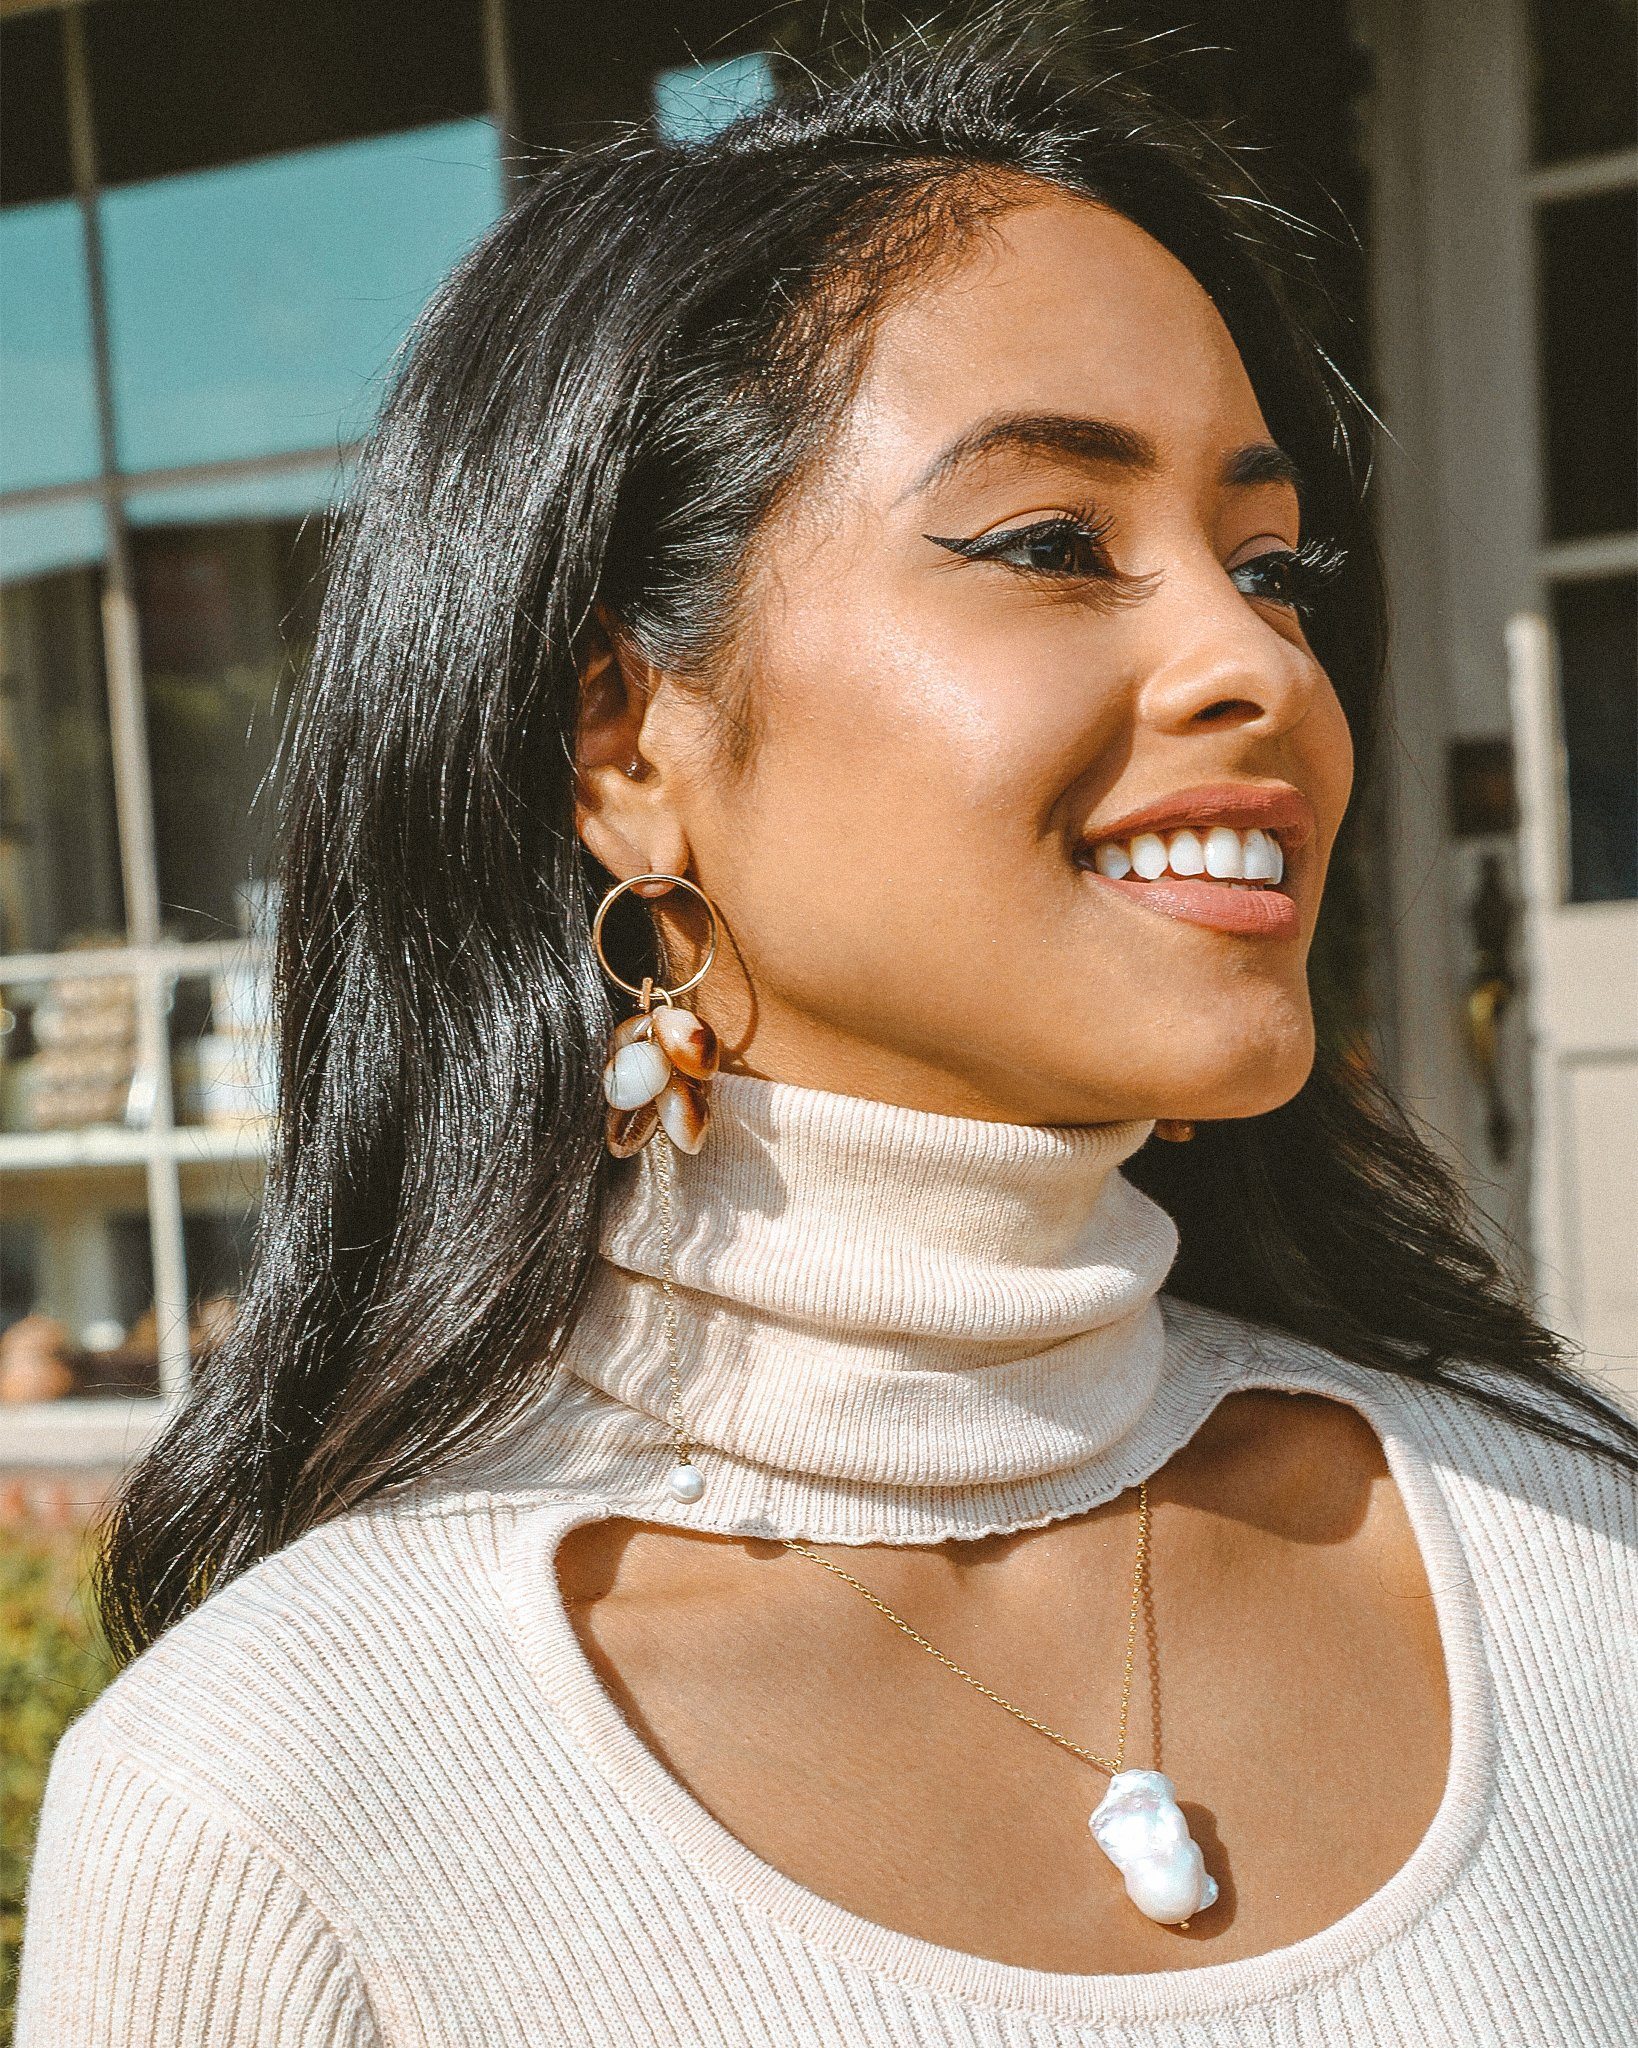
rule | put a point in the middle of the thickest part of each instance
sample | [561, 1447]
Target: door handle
[1492, 918]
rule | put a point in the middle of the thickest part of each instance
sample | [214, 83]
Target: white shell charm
[658, 1066]
[636, 1074]
[1141, 1829]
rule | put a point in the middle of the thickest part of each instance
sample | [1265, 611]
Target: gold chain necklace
[1029, 1721]
[1138, 1824]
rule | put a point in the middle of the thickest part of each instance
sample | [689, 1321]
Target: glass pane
[48, 402]
[59, 534]
[226, 616]
[48, 413]
[574, 70]
[692, 101]
[1597, 628]
[59, 841]
[183, 85]
[252, 310]
[34, 158]
[224, 1069]
[1588, 288]
[76, 1286]
[70, 1066]
[1585, 85]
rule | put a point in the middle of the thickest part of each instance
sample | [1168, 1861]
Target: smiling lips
[1213, 855]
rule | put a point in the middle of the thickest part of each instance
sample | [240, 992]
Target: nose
[1220, 661]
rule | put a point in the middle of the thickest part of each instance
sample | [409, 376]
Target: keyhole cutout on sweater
[1292, 1681]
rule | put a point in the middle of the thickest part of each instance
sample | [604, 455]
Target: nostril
[1229, 711]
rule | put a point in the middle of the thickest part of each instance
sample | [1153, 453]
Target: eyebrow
[1097, 443]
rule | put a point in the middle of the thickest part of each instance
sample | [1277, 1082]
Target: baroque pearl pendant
[1140, 1828]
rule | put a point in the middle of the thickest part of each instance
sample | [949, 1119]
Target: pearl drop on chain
[687, 1482]
[1141, 1829]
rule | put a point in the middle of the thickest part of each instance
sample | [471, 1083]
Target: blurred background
[218, 218]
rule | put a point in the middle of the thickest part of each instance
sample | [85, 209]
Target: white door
[1581, 999]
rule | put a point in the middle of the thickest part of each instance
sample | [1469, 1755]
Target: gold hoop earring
[1175, 1130]
[659, 1060]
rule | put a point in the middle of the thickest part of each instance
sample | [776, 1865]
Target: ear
[624, 810]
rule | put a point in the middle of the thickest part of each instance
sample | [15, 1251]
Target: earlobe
[623, 811]
[626, 821]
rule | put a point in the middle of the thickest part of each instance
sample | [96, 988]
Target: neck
[892, 1325]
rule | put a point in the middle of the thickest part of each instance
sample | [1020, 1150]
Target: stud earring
[1174, 1130]
[660, 1058]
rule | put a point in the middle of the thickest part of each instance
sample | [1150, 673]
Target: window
[252, 308]
[1595, 621]
[1583, 187]
[1585, 78]
[216, 225]
[692, 101]
[1588, 294]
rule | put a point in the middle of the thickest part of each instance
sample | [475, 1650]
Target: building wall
[1501, 151]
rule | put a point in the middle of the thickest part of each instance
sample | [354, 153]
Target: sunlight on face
[1044, 582]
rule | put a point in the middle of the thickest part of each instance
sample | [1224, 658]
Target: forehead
[1061, 306]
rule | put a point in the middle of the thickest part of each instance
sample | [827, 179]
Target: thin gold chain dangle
[1114, 1765]
[685, 1480]
[659, 1062]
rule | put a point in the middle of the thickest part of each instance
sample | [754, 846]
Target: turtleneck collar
[954, 1241]
[893, 1325]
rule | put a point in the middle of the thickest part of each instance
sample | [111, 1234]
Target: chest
[1286, 1672]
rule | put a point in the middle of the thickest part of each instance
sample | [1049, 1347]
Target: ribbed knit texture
[373, 1792]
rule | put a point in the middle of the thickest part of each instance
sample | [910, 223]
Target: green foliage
[53, 1663]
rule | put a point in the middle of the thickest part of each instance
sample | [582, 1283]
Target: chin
[1257, 1059]
[1246, 1080]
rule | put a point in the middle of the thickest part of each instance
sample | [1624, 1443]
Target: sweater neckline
[893, 1325]
[1216, 1353]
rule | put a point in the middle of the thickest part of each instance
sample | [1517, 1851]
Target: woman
[753, 1555]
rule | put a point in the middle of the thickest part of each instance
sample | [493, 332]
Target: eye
[1069, 545]
[1293, 577]
[1053, 547]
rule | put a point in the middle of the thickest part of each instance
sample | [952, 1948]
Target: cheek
[1326, 748]
[898, 854]
[923, 722]
[913, 750]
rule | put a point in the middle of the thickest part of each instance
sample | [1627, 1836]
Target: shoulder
[150, 1918]
[1279, 1390]
[183, 1875]
[296, 1671]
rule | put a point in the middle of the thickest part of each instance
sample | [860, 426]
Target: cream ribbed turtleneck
[373, 1794]
[893, 1326]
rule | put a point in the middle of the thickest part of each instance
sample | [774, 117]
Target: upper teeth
[1221, 852]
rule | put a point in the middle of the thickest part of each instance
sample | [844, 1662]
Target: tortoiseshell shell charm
[659, 1062]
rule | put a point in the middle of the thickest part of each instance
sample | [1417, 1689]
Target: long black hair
[593, 418]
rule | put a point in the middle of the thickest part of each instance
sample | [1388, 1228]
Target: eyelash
[1308, 569]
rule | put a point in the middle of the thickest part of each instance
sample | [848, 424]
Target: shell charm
[1141, 1829]
[659, 1062]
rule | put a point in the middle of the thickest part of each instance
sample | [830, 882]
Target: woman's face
[1025, 613]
